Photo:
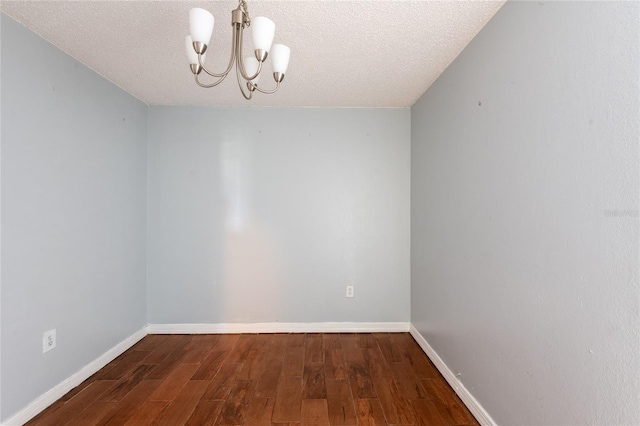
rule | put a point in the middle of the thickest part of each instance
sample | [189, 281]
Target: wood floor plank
[407, 381]
[123, 386]
[220, 385]
[360, 381]
[259, 411]
[267, 384]
[150, 342]
[426, 413]
[293, 364]
[422, 367]
[366, 340]
[206, 413]
[349, 341]
[122, 365]
[73, 392]
[227, 342]
[288, 402]
[369, 412]
[335, 366]
[315, 412]
[377, 365]
[340, 403]
[443, 411]
[397, 410]
[241, 350]
[195, 354]
[211, 365]
[157, 355]
[313, 349]
[262, 341]
[353, 354]
[181, 408]
[128, 405]
[170, 344]
[92, 414]
[147, 413]
[166, 366]
[131, 355]
[188, 341]
[254, 365]
[331, 341]
[351, 351]
[112, 370]
[182, 341]
[295, 340]
[389, 350]
[174, 382]
[277, 347]
[233, 409]
[403, 341]
[451, 403]
[203, 340]
[313, 382]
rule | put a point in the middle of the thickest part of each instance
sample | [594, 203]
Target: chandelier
[248, 68]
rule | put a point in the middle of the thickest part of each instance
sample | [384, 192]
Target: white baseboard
[57, 392]
[472, 404]
[280, 327]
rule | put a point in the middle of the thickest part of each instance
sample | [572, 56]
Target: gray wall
[525, 214]
[265, 215]
[73, 215]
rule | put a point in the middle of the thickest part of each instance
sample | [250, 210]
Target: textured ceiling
[343, 53]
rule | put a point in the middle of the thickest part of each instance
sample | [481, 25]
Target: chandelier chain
[246, 20]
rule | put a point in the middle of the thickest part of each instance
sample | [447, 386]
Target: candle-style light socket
[199, 47]
[261, 55]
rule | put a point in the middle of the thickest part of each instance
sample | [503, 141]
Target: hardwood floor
[264, 379]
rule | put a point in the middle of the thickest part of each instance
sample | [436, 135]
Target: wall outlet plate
[350, 291]
[48, 340]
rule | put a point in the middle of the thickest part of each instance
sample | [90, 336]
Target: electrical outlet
[49, 340]
[350, 291]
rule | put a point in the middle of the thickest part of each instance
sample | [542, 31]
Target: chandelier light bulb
[280, 58]
[262, 30]
[201, 25]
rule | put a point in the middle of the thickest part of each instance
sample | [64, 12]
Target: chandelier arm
[240, 86]
[267, 92]
[209, 86]
[240, 61]
[231, 58]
